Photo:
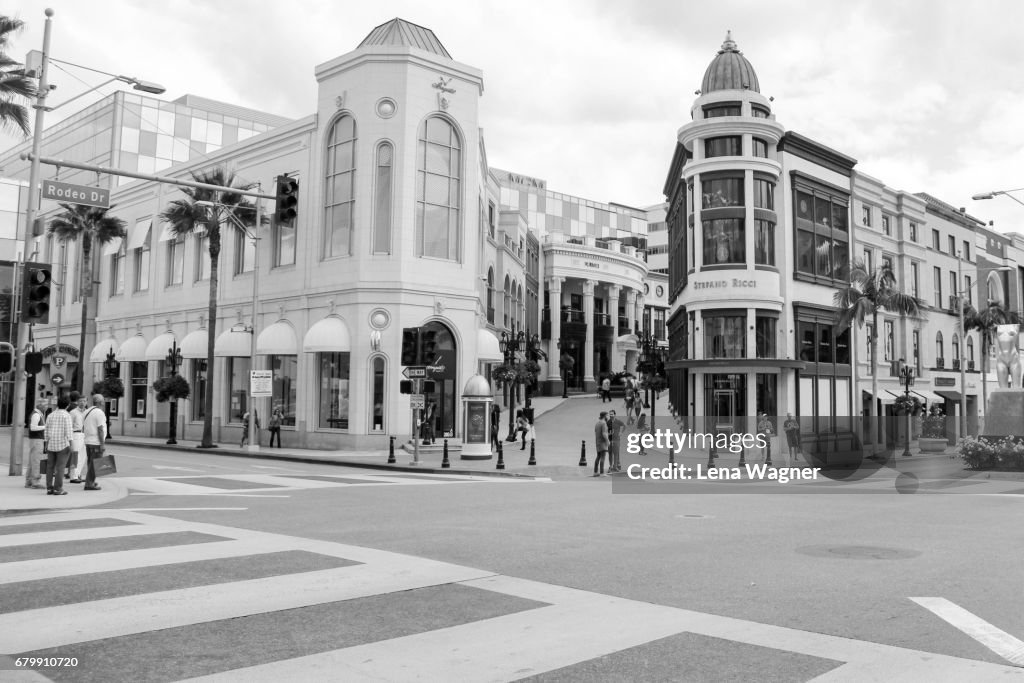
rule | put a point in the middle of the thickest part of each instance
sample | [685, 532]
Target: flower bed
[980, 453]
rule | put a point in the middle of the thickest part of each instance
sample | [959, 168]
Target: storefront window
[725, 336]
[198, 393]
[285, 371]
[822, 235]
[238, 381]
[140, 386]
[767, 394]
[724, 241]
[721, 192]
[334, 386]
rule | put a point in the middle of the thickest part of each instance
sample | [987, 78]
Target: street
[228, 568]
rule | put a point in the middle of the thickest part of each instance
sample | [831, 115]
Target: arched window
[490, 295]
[939, 352]
[378, 384]
[519, 306]
[438, 190]
[382, 199]
[339, 199]
[970, 353]
[956, 351]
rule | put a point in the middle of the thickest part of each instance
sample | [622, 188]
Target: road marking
[176, 509]
[1002, 643]
[179, 469]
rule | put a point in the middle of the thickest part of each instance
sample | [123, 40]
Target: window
[939, 351]
[915, 279]
[952, 245]
[724, 241]
[764, 194]
[917, 352]
[339, 202]
[438, 190]
[765, 328]
[967, 251]
[245, 252]
[886, 228]
[967, 290]
[956, 351]
[818, 343]
[491, 222]
[938, 287]
[490, 295]
[935, 240]
[764, 242]
[952, 287]
[117, 270]
[725, 146]
[722, 109]
[866, 216]
[285, 370]
[890, 341]
[202, 257]
[725, 335]
[760, 148]
[913, 231]
[141, 253]
[198, 394]
[887, 264]
[822, 234]
[869, 260]
[140, 387]
[238, 387]
[970, 353]
[759, 112]
[721, 192]
[382, 199]
[377, 425]
[334, 386]
[176, 260]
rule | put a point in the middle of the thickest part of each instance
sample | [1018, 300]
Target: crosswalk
[133, 596]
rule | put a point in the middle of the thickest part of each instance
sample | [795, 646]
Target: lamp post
[993, 193]
[565, 363]
[907, 380]
[961, 295]
[111, 369]
[173, 362]
[531, 346]
[509, 345]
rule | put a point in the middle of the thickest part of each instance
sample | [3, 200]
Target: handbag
[104, 465]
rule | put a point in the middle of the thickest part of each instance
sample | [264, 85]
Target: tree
[985, 321]
[13, 81]
[866, 295]
[205, 211]
[91, 225]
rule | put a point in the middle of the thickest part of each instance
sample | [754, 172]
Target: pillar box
[477, 398]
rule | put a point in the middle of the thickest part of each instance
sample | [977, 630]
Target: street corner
[15, 497]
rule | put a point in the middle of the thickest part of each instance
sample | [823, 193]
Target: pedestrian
[495, 426]
[245, 429]
[36, 440]
[764, 428]
[427, 425]
[58, 445]
[792, 429]
[94, 429]
[641, 427]
[76, 462]
[524, 427]
[606, 390]
[615, 429]
[274, 426]
[601, 443]
[630, 400]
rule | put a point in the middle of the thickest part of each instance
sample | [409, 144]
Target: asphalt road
[709, 582]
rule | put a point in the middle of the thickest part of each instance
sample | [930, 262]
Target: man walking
[76, 462]
[58, 445]
[615, 429]
[94, 428]
[601, 443]
[36, 429]
[606, 390]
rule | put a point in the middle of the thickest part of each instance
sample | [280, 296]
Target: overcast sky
[927, 96]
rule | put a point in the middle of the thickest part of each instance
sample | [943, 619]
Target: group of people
[276, 419]
[631, 395]
[522, 428]
[71, 441]
[607, 439]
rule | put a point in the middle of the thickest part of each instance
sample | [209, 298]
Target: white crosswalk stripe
[565, 627]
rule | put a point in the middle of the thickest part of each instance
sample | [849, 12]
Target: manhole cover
[858, 552]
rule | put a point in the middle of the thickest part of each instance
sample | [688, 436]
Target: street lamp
[565, 364]
[173, 362]
[907, 380]
[509, 346]
[137, 84]
[111, 369]
[993, 193]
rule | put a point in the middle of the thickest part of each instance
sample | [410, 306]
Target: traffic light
[33, 362]
[428, 386]
[405, 386]
[6, 361]
[35, 293]
[410, 345]
[428, 347]
[287, 198]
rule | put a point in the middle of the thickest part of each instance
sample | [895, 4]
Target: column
[555, 311]
[613, 307]
[631, 309]
[588, 350]
[639, 311]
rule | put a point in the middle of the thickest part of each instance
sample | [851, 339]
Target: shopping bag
[42, 466]
[104, 465]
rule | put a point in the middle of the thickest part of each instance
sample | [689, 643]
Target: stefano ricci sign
[725, 283]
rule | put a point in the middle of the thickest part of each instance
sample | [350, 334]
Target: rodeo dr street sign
[76, 194]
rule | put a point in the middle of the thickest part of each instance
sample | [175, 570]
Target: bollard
[533, 453]
[501, 457]
[583, 454]
[711, 456]
[444, 461]
[768, 460]
[743, 456]
[391, 452]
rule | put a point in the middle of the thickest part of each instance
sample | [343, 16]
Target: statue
[1008, 367]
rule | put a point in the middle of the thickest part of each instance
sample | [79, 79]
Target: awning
[159, 347]
[102, 348]
[194, 344]
[134, 349]
[951, 395]
[233, 344]
[487, 346]
[140, 234]
[328, 335]
[928, 396]
[168, 233]
[112, 247]
[277, 340]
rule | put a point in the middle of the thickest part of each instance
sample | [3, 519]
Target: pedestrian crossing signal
[405, 386]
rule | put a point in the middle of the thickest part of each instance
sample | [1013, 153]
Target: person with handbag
[94, 429]
[57, 433]
[274, 426]
[523, 427]
[36, 446]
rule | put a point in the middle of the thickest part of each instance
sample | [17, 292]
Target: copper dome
[729, 70]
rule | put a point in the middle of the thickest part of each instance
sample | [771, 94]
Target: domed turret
[729, 70]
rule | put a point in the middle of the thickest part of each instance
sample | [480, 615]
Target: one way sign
[415, 372]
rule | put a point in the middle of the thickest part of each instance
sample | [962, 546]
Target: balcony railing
[940, 363]
[956, 363]
[602, 319]
[970, 365]
[573, 316]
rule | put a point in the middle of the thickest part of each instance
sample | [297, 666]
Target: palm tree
[985, 321]
[207, 210]
[866, 295]
[93, 226]
[13, 82]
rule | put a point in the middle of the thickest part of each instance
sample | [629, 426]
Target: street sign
[261, 383]
[414, 372]
[57, 379]
[416, 401]
[76, 194]
[58, 361]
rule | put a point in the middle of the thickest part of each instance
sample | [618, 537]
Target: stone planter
[932, 445]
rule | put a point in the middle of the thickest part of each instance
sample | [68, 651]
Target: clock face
[660, 291]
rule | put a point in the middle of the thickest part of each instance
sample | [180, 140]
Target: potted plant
[933, 432]
[171, 389]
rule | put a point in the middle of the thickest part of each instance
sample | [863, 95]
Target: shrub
[171, 388]
[981, 453]
[111, 387]
[908, 405]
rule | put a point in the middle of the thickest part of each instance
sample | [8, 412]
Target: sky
[589, 94]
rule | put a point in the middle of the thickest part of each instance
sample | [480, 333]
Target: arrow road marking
[1000, 642]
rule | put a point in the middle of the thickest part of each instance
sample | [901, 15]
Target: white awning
[927, 395]
[139, 234]
[328, 335]
[194, 344]
[112, 247]
[168, 233]
[487, 346]
[277, 340]
[159, 347]
[231, 344]
[133, 349]
[102, 348]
